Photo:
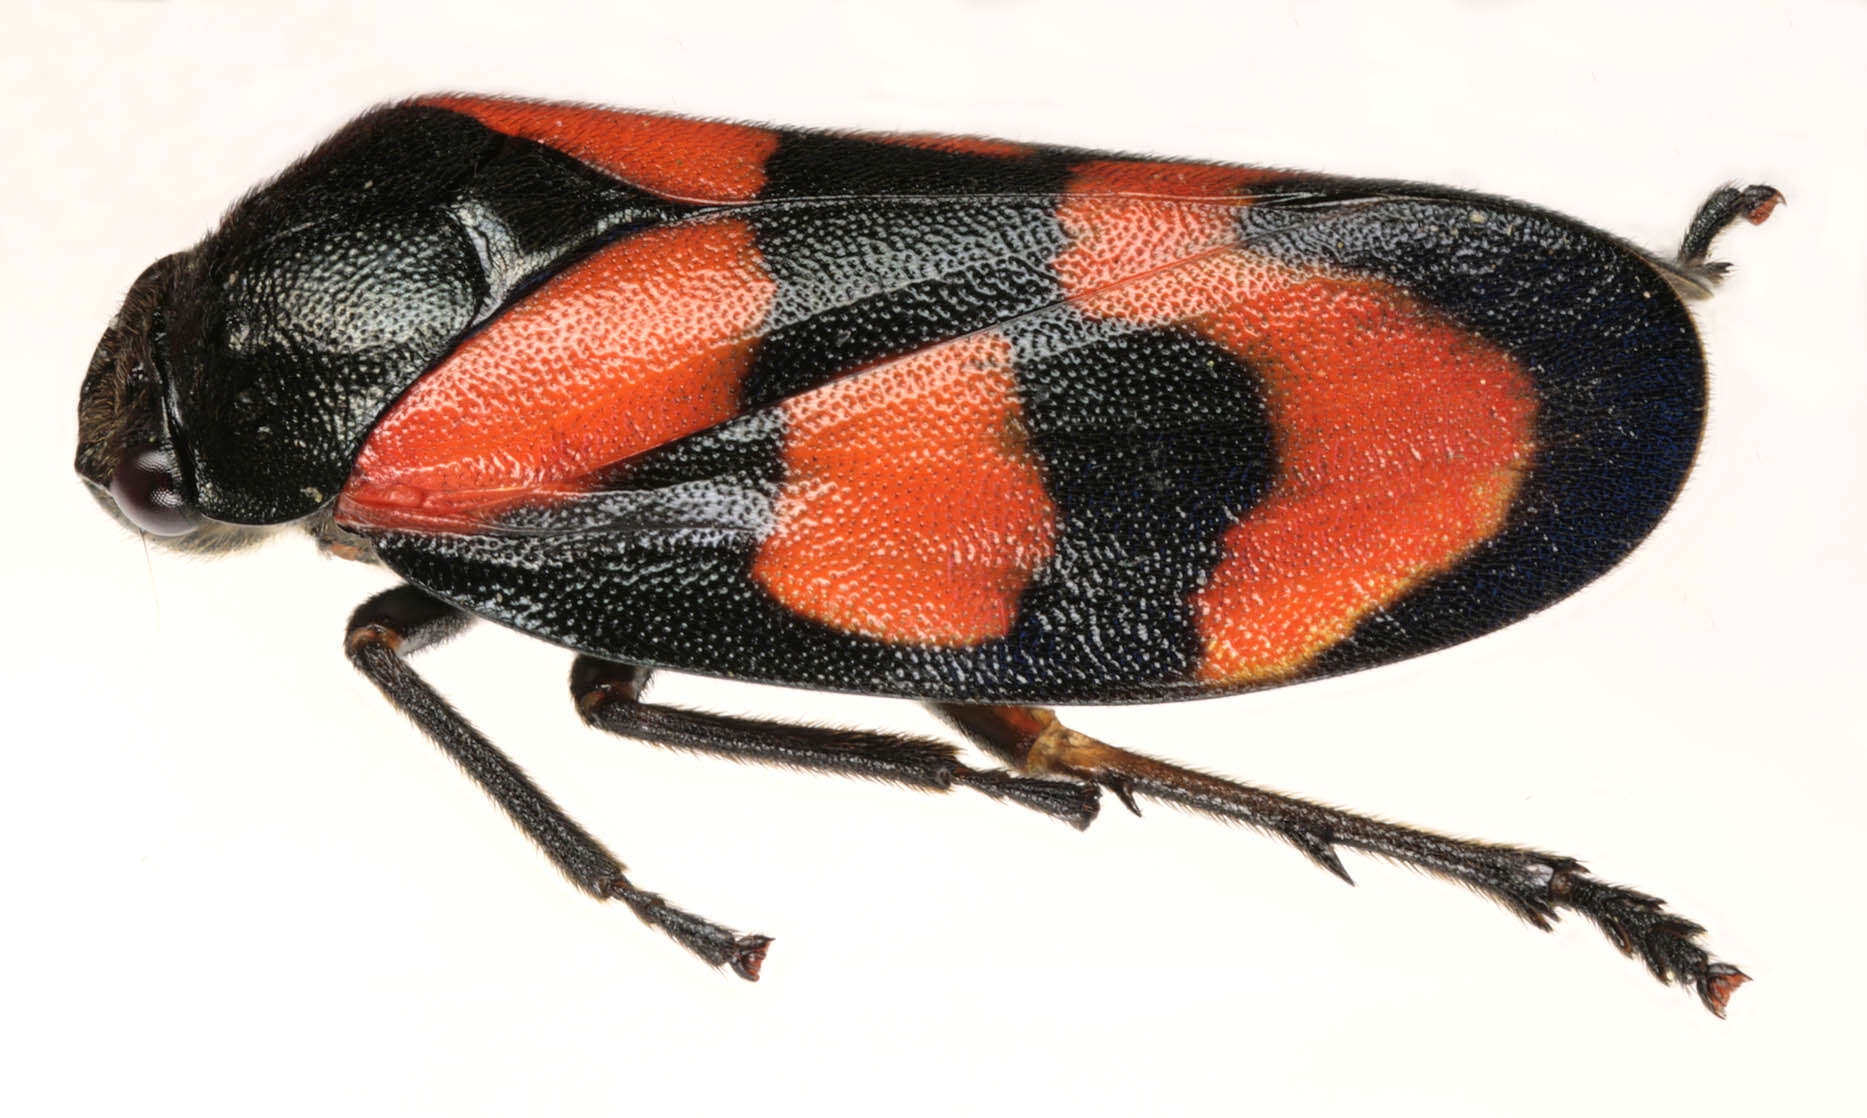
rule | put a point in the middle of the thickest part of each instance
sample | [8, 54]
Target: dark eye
[147, 489]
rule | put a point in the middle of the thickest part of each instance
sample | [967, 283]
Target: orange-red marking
[640, 344]
[1141, 178]
[1401, 438]
[687, 160]
[912, 509]
[957, 145]
[1126, 221]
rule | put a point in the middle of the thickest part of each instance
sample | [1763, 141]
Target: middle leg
[608, 697]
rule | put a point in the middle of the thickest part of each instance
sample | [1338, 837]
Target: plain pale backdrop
[237, 883]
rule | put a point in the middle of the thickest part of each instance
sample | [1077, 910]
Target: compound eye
[147, 489]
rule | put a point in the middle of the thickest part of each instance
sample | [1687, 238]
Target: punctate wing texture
[965, 419]
[636, 345]
[330, 291]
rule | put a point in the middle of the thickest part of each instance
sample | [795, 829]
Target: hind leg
[1530, 883]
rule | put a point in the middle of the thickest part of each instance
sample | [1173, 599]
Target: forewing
[1191, 431]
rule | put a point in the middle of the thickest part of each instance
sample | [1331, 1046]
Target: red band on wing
[687, 160]
[1401, 438]
[912, 509]
[1120, 230]
[637, 345]
[1143, 179]
[956, 145]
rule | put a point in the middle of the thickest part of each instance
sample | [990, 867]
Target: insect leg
[1528, 882]
[383, 632]
[608, 696]
[1753, 204]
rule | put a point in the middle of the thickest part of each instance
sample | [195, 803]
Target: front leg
[388, 628]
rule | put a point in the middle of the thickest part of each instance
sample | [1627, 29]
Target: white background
[237, 883]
